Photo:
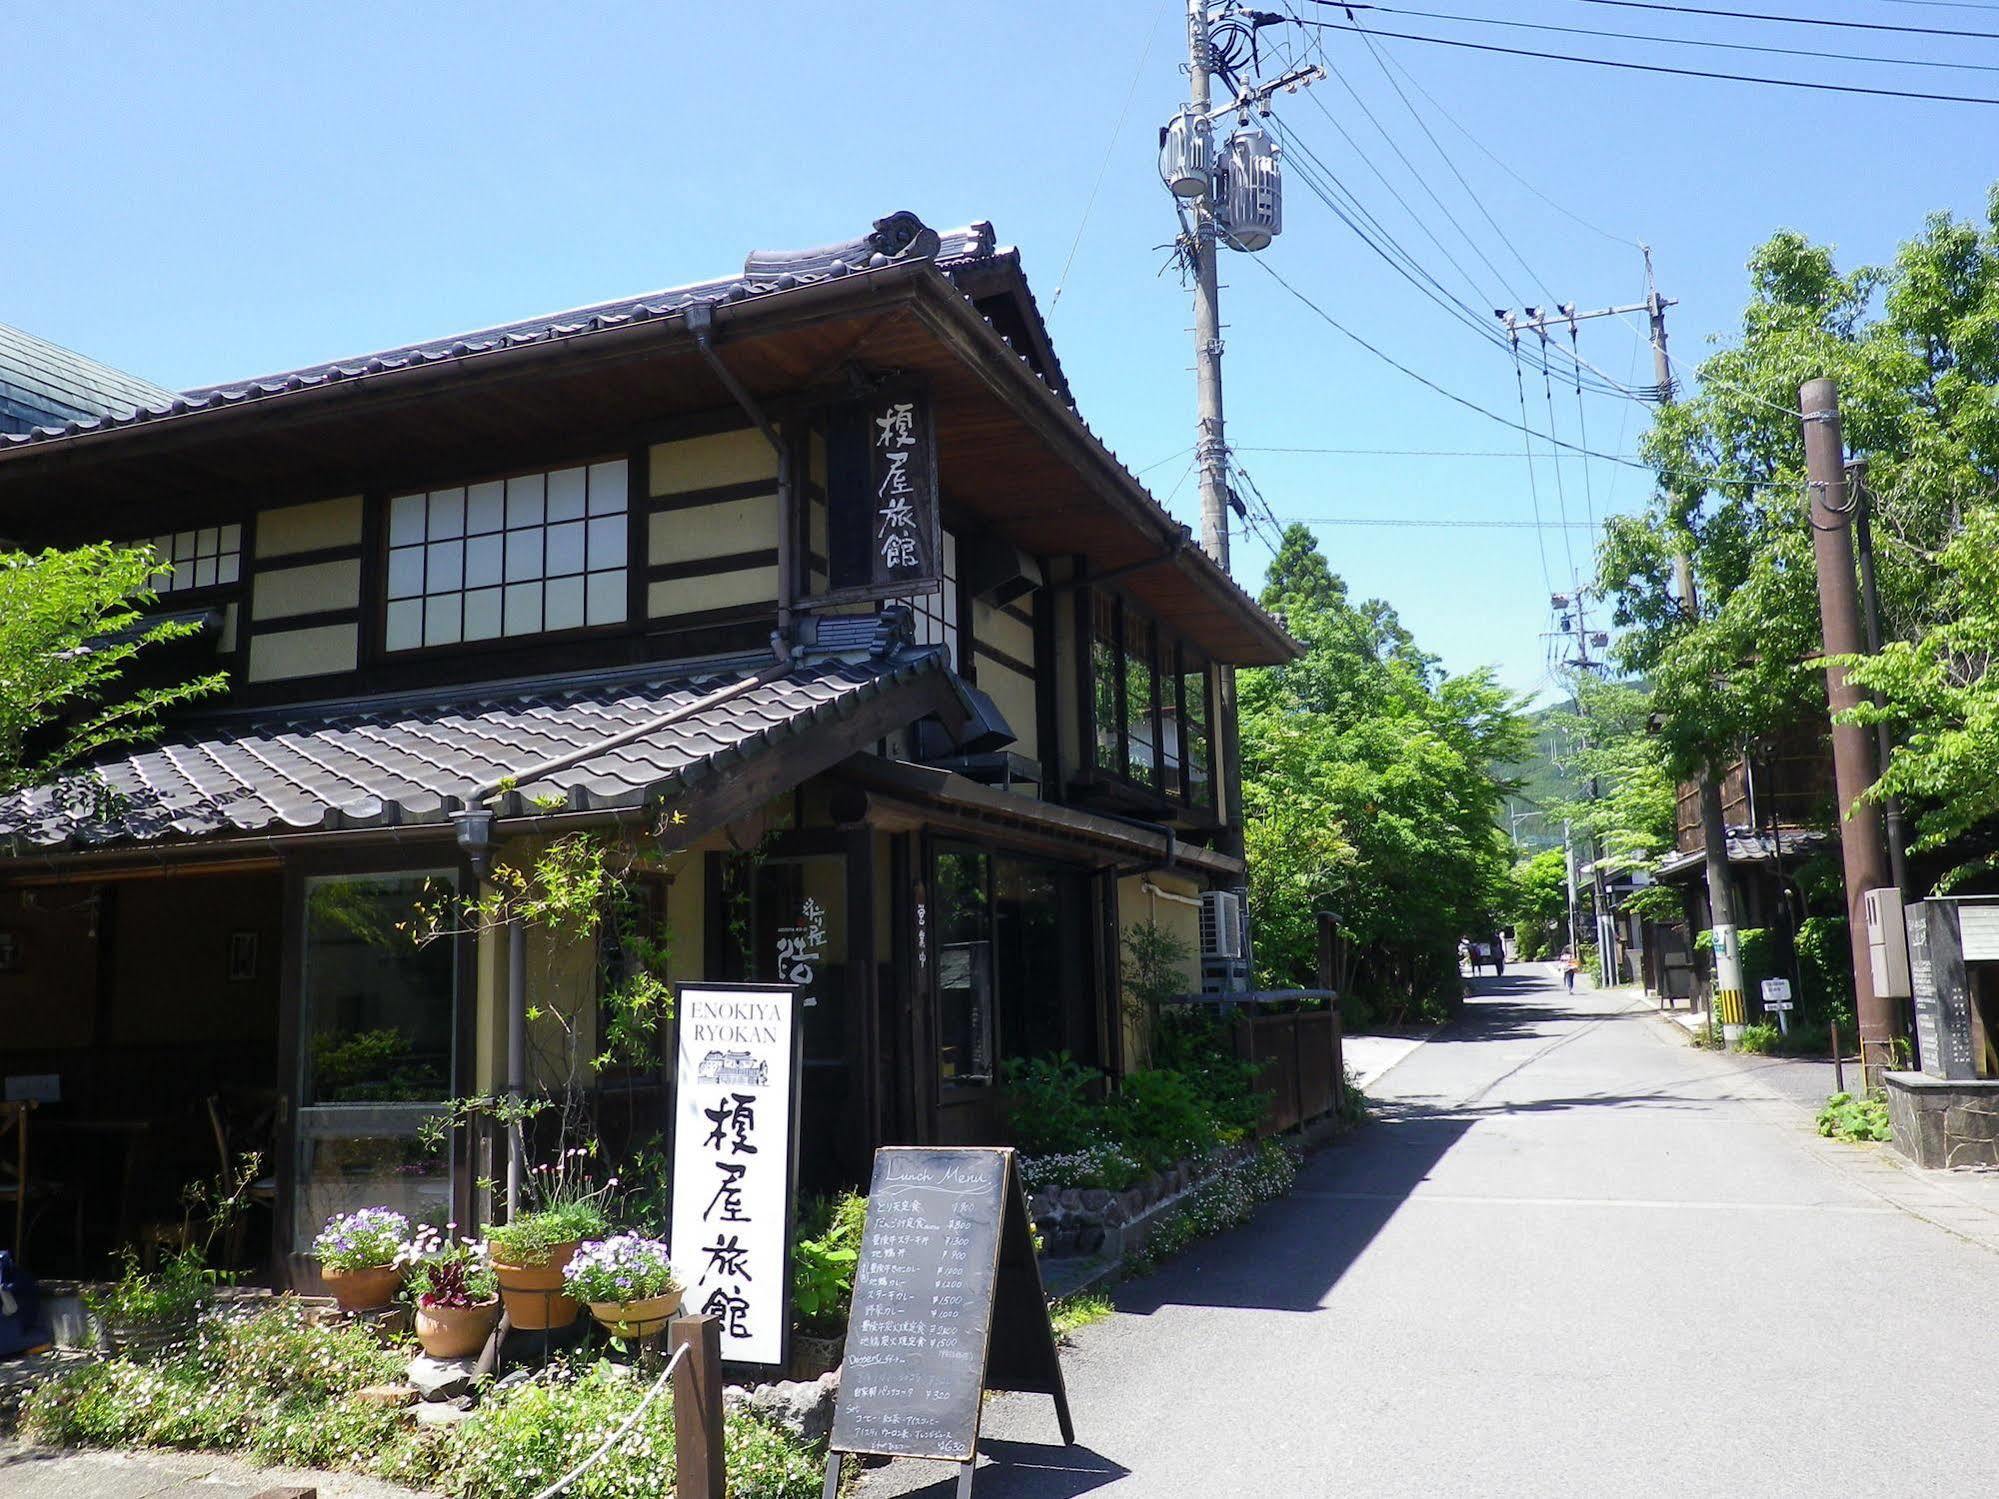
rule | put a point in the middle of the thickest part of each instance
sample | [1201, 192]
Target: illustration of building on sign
[737, 1068]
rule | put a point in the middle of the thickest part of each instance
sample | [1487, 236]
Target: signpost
[1777, 997]
[947, 1304]
[735, 1161]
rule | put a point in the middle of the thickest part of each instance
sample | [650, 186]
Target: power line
[1470, 405]
[1405, 520]
[1758, 15]
[1104, 166]
[1437, 146]
[1453, 121]
[1646, 67]
[1681, 41]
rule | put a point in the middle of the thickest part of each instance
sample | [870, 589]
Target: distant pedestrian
[1498, 957]
[1477, 959]
[1569, 968]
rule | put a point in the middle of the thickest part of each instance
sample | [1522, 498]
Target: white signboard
[1978, 925]
[1776, 994]
[735, 1127]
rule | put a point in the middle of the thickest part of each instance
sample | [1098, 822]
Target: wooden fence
[1299, 1058]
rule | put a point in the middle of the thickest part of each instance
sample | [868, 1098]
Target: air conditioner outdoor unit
[1221, 924]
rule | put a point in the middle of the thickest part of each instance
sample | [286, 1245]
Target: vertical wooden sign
[947, 1304]
[883, 536]
[735, 1161]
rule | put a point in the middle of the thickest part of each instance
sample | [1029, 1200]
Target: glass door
[378, 1024]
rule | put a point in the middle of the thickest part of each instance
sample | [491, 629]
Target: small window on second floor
[937, 613]
[528, 555]
[206, 558]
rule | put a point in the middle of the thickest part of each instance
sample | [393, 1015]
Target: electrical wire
[1117, 131]
[1759, 15]
[1403, 157]
[1818, 86]
[1453, 121]
[1405, 520]
[1309, 169]
[1533, 483]
[1470, 405]
[1681, 41]
[1444, 156]
[1555, 461]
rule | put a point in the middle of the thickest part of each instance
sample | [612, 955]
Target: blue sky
[204, 192]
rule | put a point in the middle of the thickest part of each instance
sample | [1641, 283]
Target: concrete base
[1939, 1123]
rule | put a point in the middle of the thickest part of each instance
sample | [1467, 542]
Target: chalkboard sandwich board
[947, 1305]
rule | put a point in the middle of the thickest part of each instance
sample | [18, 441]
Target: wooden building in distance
[810, 580]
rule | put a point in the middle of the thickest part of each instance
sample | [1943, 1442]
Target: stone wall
[1940, 1124]
[1089, 1222]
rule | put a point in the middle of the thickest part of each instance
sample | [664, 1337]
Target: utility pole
[1852, 751]
[1728, 1004]
[1210, 444]
[1863, 531]
[1198, 192]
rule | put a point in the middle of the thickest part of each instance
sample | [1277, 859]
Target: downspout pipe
[701, 323]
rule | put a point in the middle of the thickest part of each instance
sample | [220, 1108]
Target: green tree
[1537, 902]
[72, 627]
[1914, 346]
[1370, 790]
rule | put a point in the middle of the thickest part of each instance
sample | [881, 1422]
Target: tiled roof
[387, 763]
[1746, 847]
[764, 273]
[45, 385]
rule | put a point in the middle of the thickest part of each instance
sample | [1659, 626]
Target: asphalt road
[1572, 1255]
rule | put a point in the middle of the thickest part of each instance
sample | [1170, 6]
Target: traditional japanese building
[810, 583]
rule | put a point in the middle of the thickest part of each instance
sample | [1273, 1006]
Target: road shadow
[1021, 1469]
[1296, 1249]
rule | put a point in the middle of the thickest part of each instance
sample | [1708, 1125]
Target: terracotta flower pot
[365, 1289]
[456, 1331]
[636, 1319]
[533, 1293]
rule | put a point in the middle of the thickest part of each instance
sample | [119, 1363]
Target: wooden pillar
[863, 1000]
[697, 1409]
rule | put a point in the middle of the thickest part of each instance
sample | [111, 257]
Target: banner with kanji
[735, 1112]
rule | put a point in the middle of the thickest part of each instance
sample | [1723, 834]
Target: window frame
[377, 549]
[1165, 653]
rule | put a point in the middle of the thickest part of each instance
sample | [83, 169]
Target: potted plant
[360, 1257]
[147, 1312]
[627, 1282]
[822, 1283]
[529, 1255]
[452, 1287]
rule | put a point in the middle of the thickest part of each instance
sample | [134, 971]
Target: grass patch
[275, 1388]
[1073, 1313]
[1845, 1117]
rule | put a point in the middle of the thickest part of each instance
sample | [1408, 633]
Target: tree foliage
[1914, 348]
[1370, 790]
[71, 630]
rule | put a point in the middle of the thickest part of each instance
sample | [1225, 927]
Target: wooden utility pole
[1852, 745]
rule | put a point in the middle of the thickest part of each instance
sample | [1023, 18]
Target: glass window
[205, 558]
[378, 1021]
[962, 912]
[1141, 759]
[1105, 691]
[1199, 745]
[528, 555]
[1043, 966]
[937, 613]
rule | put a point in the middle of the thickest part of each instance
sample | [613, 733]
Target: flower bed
[278, 1387]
